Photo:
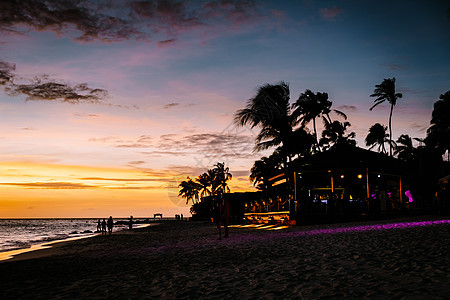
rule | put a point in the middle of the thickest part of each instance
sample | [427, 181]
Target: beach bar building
[345, 182]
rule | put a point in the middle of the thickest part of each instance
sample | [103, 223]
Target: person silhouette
[99, 226]
[110, 225]
[130, 225]
[222, 215]
[103, 227]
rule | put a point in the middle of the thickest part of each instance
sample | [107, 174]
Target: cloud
[62, 16]
[106, 139]
[64, 92]
[51, 185]
[144, 141]
[419, 127]
[241, 173]
[112, 21]
[278, 13]
[28, 128]
[208, 148]
[209, 144]
[44, 88]
[351, 108]
[85, 115]
[137, 187]
[166, 43]
[118, 179]
[395, 67]
[170, 105]
[330, 13]
[138, 162]
[163, 153]
[6, 72]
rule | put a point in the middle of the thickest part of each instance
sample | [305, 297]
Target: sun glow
[31, 190]
[39, 190]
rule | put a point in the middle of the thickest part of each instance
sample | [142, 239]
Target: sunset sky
[158, 82]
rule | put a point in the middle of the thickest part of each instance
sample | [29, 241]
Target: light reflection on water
[23, 233]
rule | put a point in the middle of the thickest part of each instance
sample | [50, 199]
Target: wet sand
[185, 260]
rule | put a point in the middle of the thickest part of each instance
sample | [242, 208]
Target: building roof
[350, 157]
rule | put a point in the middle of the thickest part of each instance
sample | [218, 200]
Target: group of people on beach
[101, 225]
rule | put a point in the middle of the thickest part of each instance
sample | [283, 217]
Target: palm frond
[340, 113]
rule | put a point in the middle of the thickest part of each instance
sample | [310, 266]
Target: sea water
[24, 233]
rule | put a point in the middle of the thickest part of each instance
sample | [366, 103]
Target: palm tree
[309, 106]
[404, 148]
[270, 110]
[262, 171]
[334, 134]
[377, 136]
[221, 176]
[386, 92]
[189, 190]
[204, 180]
[438, 134]
[299, 142]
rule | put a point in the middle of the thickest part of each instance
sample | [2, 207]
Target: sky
[107, 105]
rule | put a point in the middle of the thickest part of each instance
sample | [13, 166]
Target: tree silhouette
[335, 134]
[404, 148]
[262, 170]
[189, 190]
[270, 110]
[377, 136]
[221, 176]
[204, 181]
[438, 134]
[386, 92]
[310, 106]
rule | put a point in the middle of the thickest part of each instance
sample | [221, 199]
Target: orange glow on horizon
[37, 190]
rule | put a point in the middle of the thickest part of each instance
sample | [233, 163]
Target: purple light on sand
[372, 227]
[349, 230]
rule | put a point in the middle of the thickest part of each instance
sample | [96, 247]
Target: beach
[394, 259]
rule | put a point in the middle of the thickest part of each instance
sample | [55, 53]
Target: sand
[186, 260]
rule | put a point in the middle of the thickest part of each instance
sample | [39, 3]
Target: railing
[267, 217]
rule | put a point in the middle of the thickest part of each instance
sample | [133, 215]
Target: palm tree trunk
[390, 130]
[315, 134]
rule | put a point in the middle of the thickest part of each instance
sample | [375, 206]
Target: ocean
[24, 233]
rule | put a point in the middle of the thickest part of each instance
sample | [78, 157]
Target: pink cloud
[330, 13]
[166, 43]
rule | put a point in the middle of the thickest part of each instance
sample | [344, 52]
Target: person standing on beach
[110, 225]
[103, 227]
[222, 215]
[130, 225]
[99, 226]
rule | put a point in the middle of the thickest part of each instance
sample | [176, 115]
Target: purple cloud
[159, 21]
[43, 88]
[38, 90]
